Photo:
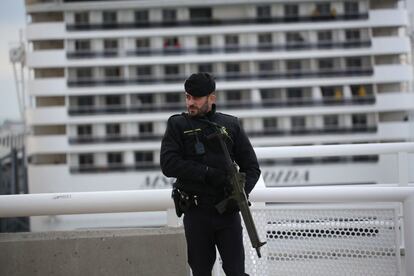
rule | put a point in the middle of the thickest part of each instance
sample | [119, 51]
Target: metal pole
[2, 186]
[13, 172]
[160, 200]
[403, 168]
[333, 150]
[408, 214]
[24, 186]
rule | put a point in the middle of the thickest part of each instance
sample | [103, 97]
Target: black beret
[200, 84]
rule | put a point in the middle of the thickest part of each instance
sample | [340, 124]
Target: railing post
[403, 168]
[172, 219]
[408, 213]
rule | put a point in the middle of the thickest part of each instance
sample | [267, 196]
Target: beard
[195, 111]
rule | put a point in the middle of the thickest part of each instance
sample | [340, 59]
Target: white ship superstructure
[105, 76]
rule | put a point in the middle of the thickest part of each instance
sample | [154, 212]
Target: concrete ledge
[155, 251]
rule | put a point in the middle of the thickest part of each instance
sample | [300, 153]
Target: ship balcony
[394, 101]
[260, 52]
[385, 102]
[59, 30]
[293, 74]
[374, 46]
[210, 22]
[211, 51]
[384, 131]
[231, 105]
[54, 144]
[89, 139]
[59, 115]
[377, 74]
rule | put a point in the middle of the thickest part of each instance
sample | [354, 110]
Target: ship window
[323, 8]
[234, 96]
[264, 39]
[298, 122]
[171, 70]
[293, 65]
[354, 62]
[291, 10]
[173, 97]
[112, 72]
[82, 45]
[263, 11]
[270, 123]
[169, 15]
[231, 40]
[359, 119]
[110, 44]
[142, 43]
[145, 128]
[109, 17]
[200, 14]
[325, 64]
[84, 73]
[205, 67]
[81, 18]
[84, 130]
[85, 101]
[360, 90]
[332, 92]
[145, 98]
[171, 42]
[114, 158]
[268, 94]
[351, 8]
[266, 66]
[144, 157]
[294, 93]
[232, 67]
[330, 121]
[86, 159]
[353, 35]
[294, 37]
[141, 16]
[325, 36]
[113, 100]
[144, 70]
[203, 41]
[204, 44]
[113, 129]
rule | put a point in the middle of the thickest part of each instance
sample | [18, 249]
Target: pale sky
[12, 18]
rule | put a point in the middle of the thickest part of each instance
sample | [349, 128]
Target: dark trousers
[204, 230]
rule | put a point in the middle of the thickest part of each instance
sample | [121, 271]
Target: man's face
[198, 106]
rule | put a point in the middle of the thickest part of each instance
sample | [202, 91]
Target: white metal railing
[401, 149]
[159, 200]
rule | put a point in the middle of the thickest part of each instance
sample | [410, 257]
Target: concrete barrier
[147, 252]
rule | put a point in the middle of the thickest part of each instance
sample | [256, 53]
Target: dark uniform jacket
[179, 158]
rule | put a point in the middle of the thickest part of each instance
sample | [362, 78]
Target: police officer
[190, 153]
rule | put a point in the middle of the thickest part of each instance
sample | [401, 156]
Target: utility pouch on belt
[182, 201]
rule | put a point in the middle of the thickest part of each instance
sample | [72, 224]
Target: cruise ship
[104, 76]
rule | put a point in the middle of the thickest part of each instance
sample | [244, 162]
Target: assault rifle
[237, 182]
